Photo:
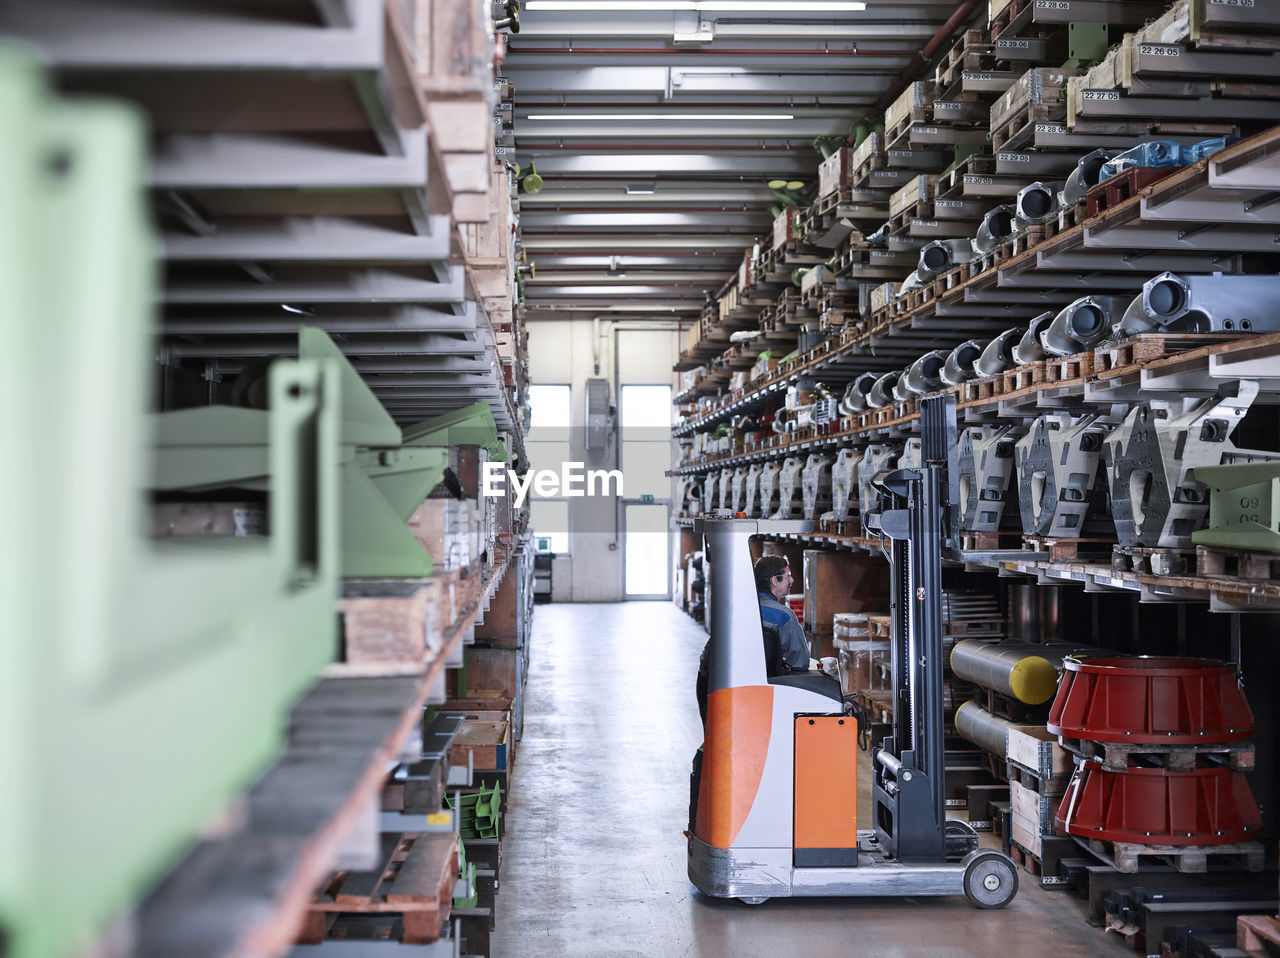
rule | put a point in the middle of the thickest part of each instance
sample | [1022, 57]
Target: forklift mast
[909, 769]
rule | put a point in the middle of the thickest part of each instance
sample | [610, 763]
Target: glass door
[645, 434]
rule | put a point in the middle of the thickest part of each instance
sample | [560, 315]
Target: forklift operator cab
[774, 788]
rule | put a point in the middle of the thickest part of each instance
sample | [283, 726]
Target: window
[645, 420]
[547, 445]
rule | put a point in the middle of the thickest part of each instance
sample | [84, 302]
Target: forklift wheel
[990, 879]
[753, 901]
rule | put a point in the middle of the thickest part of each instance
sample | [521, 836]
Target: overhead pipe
[749, 51]
[925, 54]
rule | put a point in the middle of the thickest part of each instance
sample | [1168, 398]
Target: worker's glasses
[784, 575]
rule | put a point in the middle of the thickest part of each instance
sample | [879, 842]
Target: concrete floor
[594, 855]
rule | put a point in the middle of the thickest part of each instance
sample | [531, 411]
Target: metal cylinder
[1024, 671]
[855, 396]
[1033, 613]
[980, 727]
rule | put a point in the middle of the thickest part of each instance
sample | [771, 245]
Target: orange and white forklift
[774, 790]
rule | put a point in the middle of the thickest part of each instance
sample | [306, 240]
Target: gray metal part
[959, 364]
[768, 873]
[855, 395]
[881, 394]
[1067, 334]
[737, 495]
[997, 355]
[1214, 303]
[844, 483]
[1050, 191]
[925, 374]
[815, 484]
[709, 499]
[1085, 175]
[725, 487]
[912, 455]
[913, 281]
[751, 491]
[989, 236]
[769, 488]
[1057, 463]
[1029, 349]
[789, 489]
[984, 476]
[876, 458]
[943, 254]
[1155, 500]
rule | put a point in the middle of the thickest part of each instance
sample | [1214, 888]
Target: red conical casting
[1150, 700]
[1158, 806]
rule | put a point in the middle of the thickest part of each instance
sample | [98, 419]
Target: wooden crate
[911, 106]
[389, 626]
[835, 171]
[1036, 748]
[482, 744]
[919, 190]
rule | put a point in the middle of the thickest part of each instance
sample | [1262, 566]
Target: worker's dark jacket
[774, 615]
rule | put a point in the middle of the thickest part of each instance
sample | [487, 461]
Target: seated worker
[786, 649]
[773, 582]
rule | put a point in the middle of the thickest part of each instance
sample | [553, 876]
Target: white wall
[567, 351]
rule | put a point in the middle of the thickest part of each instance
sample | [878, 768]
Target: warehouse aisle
[594, 855]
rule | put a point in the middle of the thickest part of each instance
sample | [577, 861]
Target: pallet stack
[1038, 770]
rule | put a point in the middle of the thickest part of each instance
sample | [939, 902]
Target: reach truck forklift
[774, 789]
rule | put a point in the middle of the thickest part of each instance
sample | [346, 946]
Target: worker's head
[773, 575]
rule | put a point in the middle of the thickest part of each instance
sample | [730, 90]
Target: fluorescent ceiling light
[622, 117]
[727, 6]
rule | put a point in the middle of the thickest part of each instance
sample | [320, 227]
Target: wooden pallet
[1258, 934]
[973, 51]
[825, 204]
[1068, 550]
[862, 172]
[1021, 377]
[990, 541]
[1236, 564]
[915, 114]
[1118, 756]
[415, 883]
[1195, 859]
[1066, 369]
[1162, 562]
[1147, 347]
[388, 624]
[1019, 126]
[1028, 861]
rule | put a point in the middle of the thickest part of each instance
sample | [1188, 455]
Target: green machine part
[1244, 506]
[469, 426]
[1087, 44]
[146, 681]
